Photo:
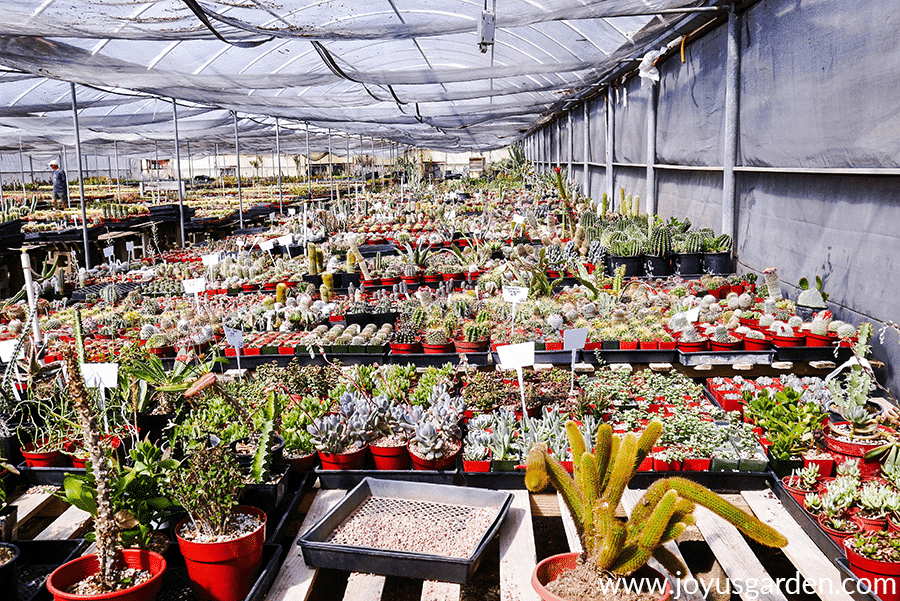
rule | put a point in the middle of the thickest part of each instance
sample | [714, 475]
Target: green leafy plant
[207, 485]
[664, 511]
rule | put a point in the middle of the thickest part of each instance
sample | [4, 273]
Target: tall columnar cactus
[262, 460]
[311, 255]
[594, 490]
[625, 209]
[104, 523]
[660, 244]
[604, 204]
[693, 242]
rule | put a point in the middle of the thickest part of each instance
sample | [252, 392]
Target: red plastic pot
[304, 463]
[648, 345]
[696, 464]
[433, 278]
[390, 457]
[882, 577]
[836, 535]
[787, 341]
[893, 523]
[870, 524]
[756, 344]
[475, 346]
[667, 345]
[412, 279]
[666, 466]
[78, 569]
[714, 345]
[435, 349]
[398, 348]
[628, 345]
[224, 571]
[390, 281]
[420, 463]
[856, 450]
[553, 346]
[343, 461]
[551, 568]
[476, 466]
[54, 458]
[691, 347]
[817, 340]
[826, 466]
[798, 493]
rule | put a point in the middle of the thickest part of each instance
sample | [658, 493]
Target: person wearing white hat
[60, 191]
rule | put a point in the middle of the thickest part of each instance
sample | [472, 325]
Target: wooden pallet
[42, 515]
[517, 551]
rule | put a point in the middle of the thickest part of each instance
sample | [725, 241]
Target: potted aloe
[613, 549]
[111, 572]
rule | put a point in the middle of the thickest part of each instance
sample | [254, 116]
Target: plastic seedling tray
[412, 503]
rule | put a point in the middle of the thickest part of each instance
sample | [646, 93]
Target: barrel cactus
[109, 294]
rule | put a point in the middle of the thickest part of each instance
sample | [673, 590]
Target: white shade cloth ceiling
[408, 71]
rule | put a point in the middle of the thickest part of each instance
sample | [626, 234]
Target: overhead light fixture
[486, 26]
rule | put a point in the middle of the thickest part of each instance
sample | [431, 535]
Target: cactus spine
[665, 510]
[693, 243]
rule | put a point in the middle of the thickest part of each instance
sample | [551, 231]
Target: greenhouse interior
[563, 300]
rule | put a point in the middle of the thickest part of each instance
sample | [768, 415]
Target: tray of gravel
[407, 529]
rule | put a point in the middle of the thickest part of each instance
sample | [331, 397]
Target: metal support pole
[610, 143]
[65, 166]
[156, 149]
[571, 130]
[22, 173]
[362, 163]
[559, 147]
[330, 170]
[190, 166]
[349, 179]
[2, 199]
[308, 165]
[237, 170]
[278, 166]
[118, 175]
[32, 301]
[87, 250]
[732, 107]
[178, 171]
[651, 148]
[109, 170]
[381, 157]
[586, 151]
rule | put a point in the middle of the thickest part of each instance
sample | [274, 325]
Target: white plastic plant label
[574, 339]
[210, 259]
[518, 219]
[240, 242]
[515, 294]
[129, 246]
[292, 212]
[514, 356]
[692, 315]
[286, 240]
[100, 375]
[234, 337]
[108, 252]
[267, 245]
[7, 347]
[272, 216]
[194, 285]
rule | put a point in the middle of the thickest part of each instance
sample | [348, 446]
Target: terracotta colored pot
[476, 346]
[343, 461]
[80, 568]
[390, 457]
[552, 567]
[224, 571]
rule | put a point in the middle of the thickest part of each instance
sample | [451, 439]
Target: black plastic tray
[854, 589]
[436, 359]
[636, 356]
[53, 476]
[496, 480]
[726, 357]
[347, 479]
[825, 543]
[275, 531]
[38, 558]
[318, 553]
[812, 353]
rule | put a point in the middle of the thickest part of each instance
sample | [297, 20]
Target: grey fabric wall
[818, 91]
